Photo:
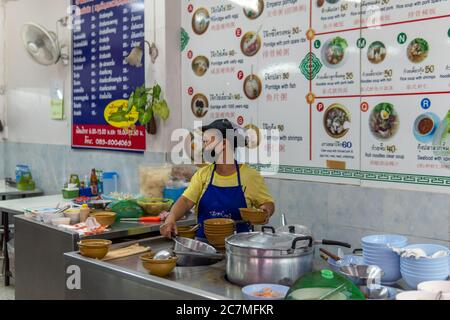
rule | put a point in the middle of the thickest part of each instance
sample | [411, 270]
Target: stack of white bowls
[377, 251]
[415, 271]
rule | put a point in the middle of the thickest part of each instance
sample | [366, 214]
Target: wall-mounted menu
[405, 89]
[357, 89]
[102, 81]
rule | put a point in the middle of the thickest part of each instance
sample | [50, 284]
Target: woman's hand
[168, 228]
[269, 208]
[178, 210]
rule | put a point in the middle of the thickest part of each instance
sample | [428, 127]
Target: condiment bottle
[94, 183]
[84, 212]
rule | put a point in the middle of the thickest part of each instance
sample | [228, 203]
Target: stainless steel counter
[7, 210]
[125, 278]
[39, 249]
[7, 191]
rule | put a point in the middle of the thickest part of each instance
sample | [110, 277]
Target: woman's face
[210, 138]
[212, 145]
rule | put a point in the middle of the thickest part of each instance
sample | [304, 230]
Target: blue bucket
[173, 193]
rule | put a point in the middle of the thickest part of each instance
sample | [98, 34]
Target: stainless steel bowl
[195, 253]
[361, 274]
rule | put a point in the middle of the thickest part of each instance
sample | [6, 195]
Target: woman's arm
[178, 210]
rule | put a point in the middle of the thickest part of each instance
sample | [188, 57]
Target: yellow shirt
[253, 184]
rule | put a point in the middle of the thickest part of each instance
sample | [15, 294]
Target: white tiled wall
[346, 213]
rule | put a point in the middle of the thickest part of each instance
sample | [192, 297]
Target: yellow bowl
[185, 233]
[219, 227]
[189, 235]
[221, 222]
[154, 206]
[160, 268]
[216, 240]
[94, 248]
[221, 231]
[254, 216]
[104, 218]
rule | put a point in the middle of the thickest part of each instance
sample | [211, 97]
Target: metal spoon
[162, 255]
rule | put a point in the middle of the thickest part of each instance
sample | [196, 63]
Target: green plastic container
[324, 285]
[70, 194]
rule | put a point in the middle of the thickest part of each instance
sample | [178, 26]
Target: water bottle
[110, 182]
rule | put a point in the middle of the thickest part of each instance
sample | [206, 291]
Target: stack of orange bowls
[217, 229]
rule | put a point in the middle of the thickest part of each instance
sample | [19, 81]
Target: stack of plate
[377, 251]
[216, 230]
[415, 271]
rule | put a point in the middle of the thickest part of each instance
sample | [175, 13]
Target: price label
[320, 107]
[364, 107]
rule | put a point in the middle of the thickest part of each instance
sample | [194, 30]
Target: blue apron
[222, 202]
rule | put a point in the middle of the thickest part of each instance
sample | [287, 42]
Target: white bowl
[73, 215]
[250, 290]
[436, 287]
[416, 295]
[59, 221]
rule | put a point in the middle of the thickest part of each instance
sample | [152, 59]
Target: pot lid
[295, 229]
[263, 240]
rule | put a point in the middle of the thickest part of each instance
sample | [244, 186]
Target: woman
[218, 190]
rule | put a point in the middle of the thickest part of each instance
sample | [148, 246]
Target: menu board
[358, 90]
[102, 81]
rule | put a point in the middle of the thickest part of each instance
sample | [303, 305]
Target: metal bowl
[194, 253]
[360, 274]
[379, 293]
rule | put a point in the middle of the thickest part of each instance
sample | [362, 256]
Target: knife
[142, 219]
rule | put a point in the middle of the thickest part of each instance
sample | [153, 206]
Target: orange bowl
[104, 218]
[219, 228]
[254, 216]
[216, 240]
[160, 268]
[187, 234]
[218, 222]
[231, 231]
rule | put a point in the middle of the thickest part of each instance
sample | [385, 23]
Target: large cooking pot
[269, 257]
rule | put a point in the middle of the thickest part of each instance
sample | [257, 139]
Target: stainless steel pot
[269, 257]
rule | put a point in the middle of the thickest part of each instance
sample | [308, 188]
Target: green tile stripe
[358, 174]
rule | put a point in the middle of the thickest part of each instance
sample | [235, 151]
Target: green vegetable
[388, 107]
[422, 43]
[340, 42]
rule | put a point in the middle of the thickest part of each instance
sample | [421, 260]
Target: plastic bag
[127, 209]
[153, 180]
[183, 172]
